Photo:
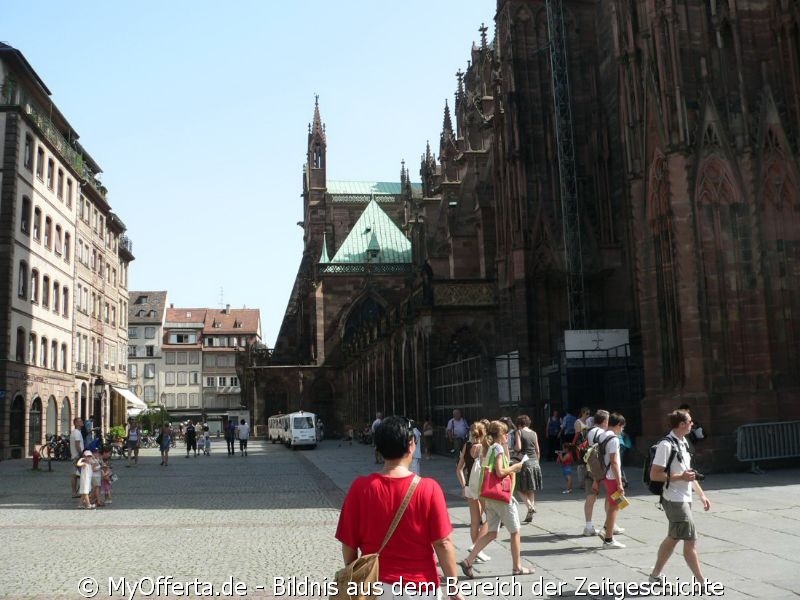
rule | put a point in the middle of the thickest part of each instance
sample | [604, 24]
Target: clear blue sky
[198, 111]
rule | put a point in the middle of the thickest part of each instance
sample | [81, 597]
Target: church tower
[314, 185]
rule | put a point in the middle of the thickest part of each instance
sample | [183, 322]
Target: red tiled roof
[186, 315]
[247, 319]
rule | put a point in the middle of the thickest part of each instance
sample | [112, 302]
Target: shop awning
[132, 400]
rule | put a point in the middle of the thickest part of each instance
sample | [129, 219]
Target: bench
[767, 441]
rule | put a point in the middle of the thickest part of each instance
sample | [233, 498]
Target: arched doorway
[35, 425]
[66, 416]
[51, 426]
[16, 437]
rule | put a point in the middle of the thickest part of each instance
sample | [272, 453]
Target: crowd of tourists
[492, 457]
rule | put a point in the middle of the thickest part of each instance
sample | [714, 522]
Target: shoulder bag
[363, 571]
[494, 487]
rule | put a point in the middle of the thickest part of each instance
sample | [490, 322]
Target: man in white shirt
[244, 435]
[676, 498]
[613, 480]
[457, 432]
[76, 447]
[590, 486]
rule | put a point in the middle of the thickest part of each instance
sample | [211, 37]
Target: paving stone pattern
[273, 514]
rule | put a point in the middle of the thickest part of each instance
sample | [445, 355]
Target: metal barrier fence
[766, 441]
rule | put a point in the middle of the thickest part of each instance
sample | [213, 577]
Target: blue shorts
[566, 470]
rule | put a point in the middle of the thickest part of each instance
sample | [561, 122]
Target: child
[85, 485]
[206, 444]
[566, 456]
[106, 477]
[97, 476]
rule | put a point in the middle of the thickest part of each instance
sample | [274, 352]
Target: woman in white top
[497, 512]
[468, 472]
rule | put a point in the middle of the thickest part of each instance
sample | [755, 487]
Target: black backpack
[657, 487]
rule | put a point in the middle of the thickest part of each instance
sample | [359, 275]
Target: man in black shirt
[191, 439]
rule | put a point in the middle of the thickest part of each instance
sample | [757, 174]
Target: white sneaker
[483, 557]
[654, 578]
[612, 545]
[590, 531]
[617, 531]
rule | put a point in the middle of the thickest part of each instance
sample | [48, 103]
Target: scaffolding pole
[565, 143]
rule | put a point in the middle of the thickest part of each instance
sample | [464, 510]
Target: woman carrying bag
[406, 546]
[497, 491]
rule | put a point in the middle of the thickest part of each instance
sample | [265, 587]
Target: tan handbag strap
[399, 514]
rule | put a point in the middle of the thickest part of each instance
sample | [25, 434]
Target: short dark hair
[615, 419]
[393, 436]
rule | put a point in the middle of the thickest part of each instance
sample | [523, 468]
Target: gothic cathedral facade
[454, 293]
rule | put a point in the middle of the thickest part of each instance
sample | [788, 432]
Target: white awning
[133, 400]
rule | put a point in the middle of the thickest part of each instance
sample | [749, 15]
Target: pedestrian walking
[77, 447]
[498, 512]
[595, 434]
[191, 439]
[244, 435]
[134, 435]
[613, 481]
[676, 500]
[530, 477]
[165, 444]
[230, 437]
[457, 431]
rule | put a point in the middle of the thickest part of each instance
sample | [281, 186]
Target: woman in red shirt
[370, 507]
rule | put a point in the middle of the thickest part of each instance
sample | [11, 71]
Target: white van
[300, 429]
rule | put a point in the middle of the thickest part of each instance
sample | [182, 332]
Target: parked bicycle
[56, 448]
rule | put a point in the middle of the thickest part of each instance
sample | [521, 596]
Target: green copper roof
[374, 231]
[364, 191]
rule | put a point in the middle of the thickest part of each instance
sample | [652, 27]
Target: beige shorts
[501, 512]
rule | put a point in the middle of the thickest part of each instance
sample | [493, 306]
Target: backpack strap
[399, 514]
[672, 454]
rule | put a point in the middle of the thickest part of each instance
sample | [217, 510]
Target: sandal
[529, 516]
[466, 569]
[523, 571]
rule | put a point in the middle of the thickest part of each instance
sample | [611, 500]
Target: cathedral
[610, 218]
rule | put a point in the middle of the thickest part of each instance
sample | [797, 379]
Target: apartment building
[59, 345]
[181, 376]
[226, 332]
[146, 313]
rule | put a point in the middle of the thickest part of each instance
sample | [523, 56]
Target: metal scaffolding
[565, 143]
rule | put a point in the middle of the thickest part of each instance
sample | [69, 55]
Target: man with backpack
[672, 465]
[613, 480]
[592, 436]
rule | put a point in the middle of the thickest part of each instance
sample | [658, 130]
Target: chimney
[227, 309]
